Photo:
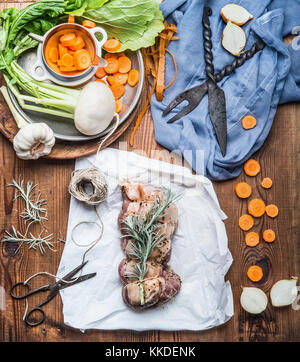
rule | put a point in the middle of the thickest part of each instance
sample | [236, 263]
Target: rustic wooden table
[279, 158]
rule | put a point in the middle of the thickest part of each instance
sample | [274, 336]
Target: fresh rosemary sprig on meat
[144, 231]
[34, 242]
[34, 208]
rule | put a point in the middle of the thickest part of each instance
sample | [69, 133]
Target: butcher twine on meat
[160, 283]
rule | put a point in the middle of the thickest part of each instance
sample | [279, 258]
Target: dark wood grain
[279, 158]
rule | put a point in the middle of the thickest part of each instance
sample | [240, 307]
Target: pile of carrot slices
[118, 72]
[256, 208]
[69, 53]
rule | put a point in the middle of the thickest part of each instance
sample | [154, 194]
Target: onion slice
[236, 14]
[253, 300]
[284, 292]
[234, 38]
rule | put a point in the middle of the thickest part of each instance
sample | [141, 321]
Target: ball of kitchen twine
[80, 179]
[89, 176]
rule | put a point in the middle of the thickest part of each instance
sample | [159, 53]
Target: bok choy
[42, 97]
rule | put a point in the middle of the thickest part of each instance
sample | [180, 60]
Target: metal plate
[64, 128]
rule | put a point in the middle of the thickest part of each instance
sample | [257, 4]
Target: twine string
[81, 179]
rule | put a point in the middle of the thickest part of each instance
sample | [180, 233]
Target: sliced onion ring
[253, 300]
[284, 292]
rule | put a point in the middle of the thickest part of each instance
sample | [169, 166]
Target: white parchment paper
[200, 253]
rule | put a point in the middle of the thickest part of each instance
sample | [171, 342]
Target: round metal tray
[64, 128]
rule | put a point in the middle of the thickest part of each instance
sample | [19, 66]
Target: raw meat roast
[148, 221]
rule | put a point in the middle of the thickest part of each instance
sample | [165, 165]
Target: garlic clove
[284, 292]
[234, 38]
[236, 14]
[253, 300]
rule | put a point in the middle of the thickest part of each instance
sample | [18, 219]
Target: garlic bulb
[254, 300]
[33, 140]
[284, 292]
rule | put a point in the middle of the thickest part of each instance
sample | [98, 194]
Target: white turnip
[95, 109]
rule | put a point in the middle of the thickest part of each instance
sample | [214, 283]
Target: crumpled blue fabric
[271, 77]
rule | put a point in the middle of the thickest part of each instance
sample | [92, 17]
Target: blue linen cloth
[271, 77]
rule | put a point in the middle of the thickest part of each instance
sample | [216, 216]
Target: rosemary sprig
[144, 231]
[34, 211]
[39, 241]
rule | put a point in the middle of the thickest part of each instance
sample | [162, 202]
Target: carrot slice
[112, 66]
[243, 190]
[120, 78]
[133, 77]
[67, 39]
[255, 273]
[88, 24]
[67, 60]
[267, 183]
[142, 113]
[112, 45]
[248, 122]
[272, 210]
[118, 90]
[101, 81]
[251, 167]
[269, 236]
[246, 222]
[119, 106]
[62, 50]
[252, 239]
[256, 207]
[71, 18]
[121, 54]
[67, 69]
[124, 64]
[78, 44]
[53, 54]
[110, 55]
[82, 59]
[110, 80]
[100, 73]
[176, 70]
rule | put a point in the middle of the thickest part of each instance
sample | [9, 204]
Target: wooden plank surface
[279, 158]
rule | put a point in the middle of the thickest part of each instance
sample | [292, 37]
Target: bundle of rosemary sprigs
[144, 231]
[34, 212]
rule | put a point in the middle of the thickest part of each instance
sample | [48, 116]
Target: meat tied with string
[148, 221]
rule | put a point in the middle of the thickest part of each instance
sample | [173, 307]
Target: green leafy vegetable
[135, 23]
[78, 7]
[17, 117]
[49, 8]
[7, 16]
[43, 97]
[148, 38]
[41, 26]
[26, 43]
[38, 18]
[6, 57]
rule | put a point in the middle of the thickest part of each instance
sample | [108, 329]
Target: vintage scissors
[217, 107]
[54, 289]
